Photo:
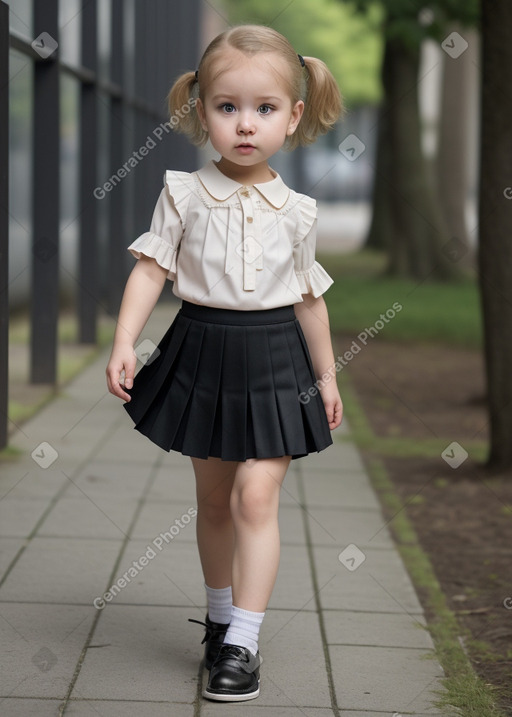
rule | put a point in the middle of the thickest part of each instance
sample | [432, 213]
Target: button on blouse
[231, 246]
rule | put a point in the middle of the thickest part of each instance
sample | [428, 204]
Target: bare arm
[314, 320]
[141, 293]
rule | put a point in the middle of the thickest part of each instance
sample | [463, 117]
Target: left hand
[332, 404]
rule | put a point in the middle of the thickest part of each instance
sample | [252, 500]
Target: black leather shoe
[235, 675]
[214, 638]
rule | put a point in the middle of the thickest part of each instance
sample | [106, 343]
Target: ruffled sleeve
[312, 277]
[162, 240]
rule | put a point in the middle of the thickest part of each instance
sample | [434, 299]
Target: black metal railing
[165, 41]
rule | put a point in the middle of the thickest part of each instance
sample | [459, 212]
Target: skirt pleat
[204, 392]
[292, 421]
[231, 434]
[226, 384]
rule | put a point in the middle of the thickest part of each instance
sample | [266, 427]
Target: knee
[252, 504]
[214, 510]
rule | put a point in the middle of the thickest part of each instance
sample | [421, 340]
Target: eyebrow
[229, 96]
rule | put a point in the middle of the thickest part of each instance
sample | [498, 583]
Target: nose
[245, 124]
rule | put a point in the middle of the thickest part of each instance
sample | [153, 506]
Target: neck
[255, 174]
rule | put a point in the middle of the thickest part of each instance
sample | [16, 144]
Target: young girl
[228, 385]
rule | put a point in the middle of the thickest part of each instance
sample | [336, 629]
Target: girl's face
[247, 109]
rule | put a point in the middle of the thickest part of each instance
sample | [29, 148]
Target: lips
[245, 144]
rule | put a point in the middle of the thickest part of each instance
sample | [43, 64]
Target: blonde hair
[312, 83]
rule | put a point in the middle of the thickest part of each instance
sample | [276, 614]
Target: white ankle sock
[244, 628]
[219, 604]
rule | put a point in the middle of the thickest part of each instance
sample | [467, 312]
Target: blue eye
[265, 109]
[228, 107]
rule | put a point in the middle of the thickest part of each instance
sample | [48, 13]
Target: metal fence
[119, 67]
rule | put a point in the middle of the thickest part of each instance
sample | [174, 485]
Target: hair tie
[301, 60]
[196, 75]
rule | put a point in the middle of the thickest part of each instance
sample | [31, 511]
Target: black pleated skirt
[231, 384]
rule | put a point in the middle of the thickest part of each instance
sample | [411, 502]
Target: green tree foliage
[411, 21]
[348, 41]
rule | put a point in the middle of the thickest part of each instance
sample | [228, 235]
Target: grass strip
[431, 312]
[400, 447]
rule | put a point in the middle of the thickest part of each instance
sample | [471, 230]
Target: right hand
[122, 358]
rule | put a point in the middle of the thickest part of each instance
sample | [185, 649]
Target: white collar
[221, 187]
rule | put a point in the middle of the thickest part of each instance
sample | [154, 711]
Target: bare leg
[214, 528]
[254, 512]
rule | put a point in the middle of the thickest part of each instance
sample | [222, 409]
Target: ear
[201, 114]
[295, 117]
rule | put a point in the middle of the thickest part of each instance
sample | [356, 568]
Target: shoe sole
[226, 697]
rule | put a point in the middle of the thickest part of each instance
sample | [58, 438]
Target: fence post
[88, 290]
[4, 221]
[117, 197]
[46, 215]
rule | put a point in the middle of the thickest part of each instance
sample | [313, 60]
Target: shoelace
[210, 630]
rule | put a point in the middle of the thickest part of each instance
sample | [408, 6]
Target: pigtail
[183, 115]
[323, 105]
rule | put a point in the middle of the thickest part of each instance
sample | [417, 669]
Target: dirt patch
[421, 391]
[463, 516]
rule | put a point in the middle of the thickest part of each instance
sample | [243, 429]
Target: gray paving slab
[340, 488]
[20, 707]
[9, 548]
[41, 645]
[253, 710]
[77, 515]
[291, 525]
[380, 584]
[363, 527]
[24, 479]
[294, 585]
[384, 678]
[19, 516]
[363, 628]
[113, 478]
[61, 570]
[290, 488]
[341, 456]
[127, 444]
[172, 577]
[118, 708]
[70, 430]
[174, 483]
[156, 517]
[146, 654]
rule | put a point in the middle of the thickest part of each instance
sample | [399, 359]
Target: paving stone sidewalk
[90, 500]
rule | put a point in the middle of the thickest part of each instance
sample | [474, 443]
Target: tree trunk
[453, 148]
[381, 227]
[419, 245]
[495, 242]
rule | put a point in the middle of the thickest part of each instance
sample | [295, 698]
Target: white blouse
[231, 246]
